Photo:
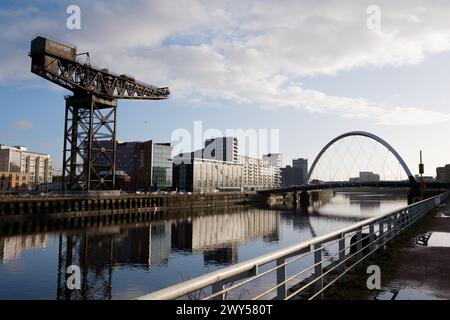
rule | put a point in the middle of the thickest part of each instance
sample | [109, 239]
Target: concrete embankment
[20, 212]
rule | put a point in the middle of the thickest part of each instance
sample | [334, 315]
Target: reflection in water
[434, 239]
[97, 253]
[356, 203]
[93, 254]
[217, 231]
[125, 261]
[11, 247]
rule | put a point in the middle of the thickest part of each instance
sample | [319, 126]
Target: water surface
[125, 261]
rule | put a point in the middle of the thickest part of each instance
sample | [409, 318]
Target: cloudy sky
[312, 69]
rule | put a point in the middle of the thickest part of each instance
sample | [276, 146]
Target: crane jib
[89, 156]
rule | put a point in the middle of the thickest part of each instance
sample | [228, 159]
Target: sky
[312, 70]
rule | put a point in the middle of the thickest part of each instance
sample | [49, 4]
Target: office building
[37, 166]
[291, 176]
[206, 175]
[218, 167]
[302, 164]
[152, 166]
[296, 174]
[443, 174]
[221, 149]
[366, 176]
[125, 157]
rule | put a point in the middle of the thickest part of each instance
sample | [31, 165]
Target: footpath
[421, 269]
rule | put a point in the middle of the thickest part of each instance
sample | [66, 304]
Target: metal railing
[307, 268]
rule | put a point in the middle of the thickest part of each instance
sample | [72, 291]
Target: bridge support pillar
[304, 199]
[294, 199]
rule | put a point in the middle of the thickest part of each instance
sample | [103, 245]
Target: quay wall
[21, 208]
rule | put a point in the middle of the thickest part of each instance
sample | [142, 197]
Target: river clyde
[125, 261]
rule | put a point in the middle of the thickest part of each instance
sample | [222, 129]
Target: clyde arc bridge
[318, 184]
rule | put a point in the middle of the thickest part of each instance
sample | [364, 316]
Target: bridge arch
[368, 135]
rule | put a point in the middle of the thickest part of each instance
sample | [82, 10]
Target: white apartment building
[259, 174]
[38, 166]
[221, 149]
[211, 175]
[275, 160]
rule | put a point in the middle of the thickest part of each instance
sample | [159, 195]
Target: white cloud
[23, 125]
[252, 52]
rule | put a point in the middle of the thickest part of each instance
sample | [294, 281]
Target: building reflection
[372, 202]
[160, 244]
[104, 250]
[218, 237]
[221, 256]
[182, 236]
[320, 198]
[218, 231]
[11, 247]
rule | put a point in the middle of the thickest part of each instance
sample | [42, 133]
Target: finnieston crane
[89, 157]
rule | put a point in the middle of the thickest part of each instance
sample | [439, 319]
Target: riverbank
[19, 214]
[411, 269]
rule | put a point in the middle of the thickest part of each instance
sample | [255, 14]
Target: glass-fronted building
[162, 165]
[153, 166]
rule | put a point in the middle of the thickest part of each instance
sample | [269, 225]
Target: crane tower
[89, 156]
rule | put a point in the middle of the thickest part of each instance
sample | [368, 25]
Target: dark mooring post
[304, 199]
[294, 199]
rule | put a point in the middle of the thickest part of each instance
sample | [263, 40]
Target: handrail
[251, 266]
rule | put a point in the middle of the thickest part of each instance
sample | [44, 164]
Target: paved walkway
[422, 272]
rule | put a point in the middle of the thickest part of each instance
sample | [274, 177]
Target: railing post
[405, 218]
[359, 247]
[216, 287]
[398, 222]
[342, 257]
[381, 227]
[318, 266]
[281, 277]
[371, 237]
[408, 217]
[402, 219]
[389, 227]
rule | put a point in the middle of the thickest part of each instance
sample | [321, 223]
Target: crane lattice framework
[89, 157]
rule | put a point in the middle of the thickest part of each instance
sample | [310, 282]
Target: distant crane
[89, 157]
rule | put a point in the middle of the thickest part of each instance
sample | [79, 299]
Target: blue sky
[312, 70]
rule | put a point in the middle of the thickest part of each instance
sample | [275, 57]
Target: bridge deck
[347, 184]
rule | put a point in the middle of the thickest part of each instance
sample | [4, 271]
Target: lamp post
[421, 172]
